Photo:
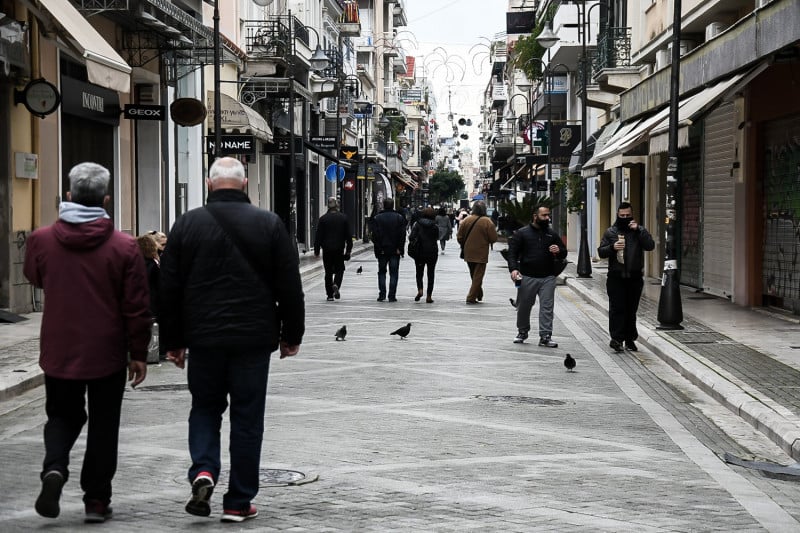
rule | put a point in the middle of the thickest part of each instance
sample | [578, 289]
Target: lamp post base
[670, 310]
[584, 267]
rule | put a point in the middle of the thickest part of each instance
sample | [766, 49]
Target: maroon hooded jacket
[96, 298]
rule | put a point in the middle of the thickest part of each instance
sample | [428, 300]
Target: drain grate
[521, 399]
[699, 337]
[169, 387]
[273, 477]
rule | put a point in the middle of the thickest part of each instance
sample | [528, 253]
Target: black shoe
[336, 291]
[520, 338]
[616, 345]
[392, 299]
[97, 512]
[630, 345]
[330, 298]
[47, 502]
[202, 488]
[546, 341]
[381, 298]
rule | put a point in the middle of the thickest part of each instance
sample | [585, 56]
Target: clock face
[41, 97]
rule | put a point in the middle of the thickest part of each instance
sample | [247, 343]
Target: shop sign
[328, 141]
[145, 112]
[232, 144]
[89, 101]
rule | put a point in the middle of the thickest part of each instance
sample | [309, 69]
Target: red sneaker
[239, 515]
[202, 487]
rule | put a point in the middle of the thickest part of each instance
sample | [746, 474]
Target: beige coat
[476, 248]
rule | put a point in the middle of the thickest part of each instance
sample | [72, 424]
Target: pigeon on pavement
[512, 302]
[341, 333]
[403, 332]
[569, 362]
[360, 269]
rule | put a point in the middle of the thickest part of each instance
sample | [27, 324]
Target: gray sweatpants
[545, 288]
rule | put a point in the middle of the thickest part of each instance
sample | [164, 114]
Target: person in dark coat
[445, 226]
[624, 244]
[389, 240]
[149, 249]
[231, 293]
[335, 239]
[427, 232]
[95, 319]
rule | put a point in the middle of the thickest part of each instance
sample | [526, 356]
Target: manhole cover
[272, 477]
[169, 387]
[521, 399]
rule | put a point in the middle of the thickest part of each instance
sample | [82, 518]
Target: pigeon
[403, 332]
[341, 333]
[360, 269]
[569, 362]
[512, 302]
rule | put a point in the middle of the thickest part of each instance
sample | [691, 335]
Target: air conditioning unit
[373, 148]
[663, 58]
[686, 46]
[714, 29]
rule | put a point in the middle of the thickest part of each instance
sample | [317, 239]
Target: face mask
[622, 223]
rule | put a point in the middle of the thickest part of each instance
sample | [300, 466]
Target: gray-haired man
[335, 239]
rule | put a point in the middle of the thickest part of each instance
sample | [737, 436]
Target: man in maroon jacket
[96, 315]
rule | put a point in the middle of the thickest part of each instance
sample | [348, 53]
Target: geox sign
[145, 112]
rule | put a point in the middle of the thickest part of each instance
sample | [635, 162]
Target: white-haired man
[231, 292]
[96, 315]
[335, 239]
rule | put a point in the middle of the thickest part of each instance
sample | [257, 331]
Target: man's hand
[553, 249]
[177, 356]
[287, 350]
[137, 371]
[619, 245]
[515, 276]
[633, 225]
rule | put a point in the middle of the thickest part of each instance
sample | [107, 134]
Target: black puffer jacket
[427, 231]
[333, 234]
[210, 295]
[636, 243]
[528, 251]
[389, 233]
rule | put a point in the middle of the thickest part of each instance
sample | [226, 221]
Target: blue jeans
[214, 375]
[393, 261]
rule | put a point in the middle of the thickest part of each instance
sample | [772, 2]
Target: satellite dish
[187, 111]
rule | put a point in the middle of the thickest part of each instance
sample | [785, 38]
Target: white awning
[235, 115]
[693, 106]
[104, 65]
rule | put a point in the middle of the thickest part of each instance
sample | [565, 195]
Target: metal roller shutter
[718, 191]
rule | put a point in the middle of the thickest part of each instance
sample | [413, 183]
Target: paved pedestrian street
[453, 429]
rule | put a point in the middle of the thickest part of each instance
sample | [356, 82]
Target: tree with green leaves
[519, 214]
[445, 186]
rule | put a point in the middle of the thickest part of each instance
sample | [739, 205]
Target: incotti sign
[93, 102]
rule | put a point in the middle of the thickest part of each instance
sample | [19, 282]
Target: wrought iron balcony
[613, 49]
[268, 38]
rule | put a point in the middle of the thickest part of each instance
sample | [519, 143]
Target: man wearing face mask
[624, 245]
[531, 261]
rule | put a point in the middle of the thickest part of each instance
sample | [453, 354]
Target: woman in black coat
[427, 232]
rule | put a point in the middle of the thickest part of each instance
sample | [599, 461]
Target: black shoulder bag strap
[236, 239]
[470, 230]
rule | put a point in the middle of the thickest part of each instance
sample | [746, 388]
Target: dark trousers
[476, 272]
[333, 263]
[215, 375]
[431, 265]
[623, 303]
[392, 262]
[66, 414]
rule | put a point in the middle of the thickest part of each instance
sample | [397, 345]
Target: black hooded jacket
[636, 243]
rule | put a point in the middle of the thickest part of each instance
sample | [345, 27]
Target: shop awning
[514, 176]
[235, 115]
[104, 65]
[602, 141]
[409, 182]
[697, 105]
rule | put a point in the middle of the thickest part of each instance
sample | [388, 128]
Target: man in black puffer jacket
[389, 239]
[231, 292]
[531, 257]
[623, 245]
[336, 241]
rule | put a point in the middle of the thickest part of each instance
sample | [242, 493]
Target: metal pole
[366, 190]
[217, 96]
[548, 85]
[292, 160]
[670, 310]
[584, 266]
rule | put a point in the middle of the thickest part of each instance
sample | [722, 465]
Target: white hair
[226, 168]
[88, 184]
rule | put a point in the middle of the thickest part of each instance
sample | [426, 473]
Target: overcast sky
[443, 32]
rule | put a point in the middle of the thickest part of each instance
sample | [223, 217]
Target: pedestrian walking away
[476, 234]
[389, 241]
[335, 239]
[426, 232]
[532, 251]
[230, 293]
[95, 317]
[624, 244]
[445, 227]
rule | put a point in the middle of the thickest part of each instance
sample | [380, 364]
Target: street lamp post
[670, 309]
[511, 116]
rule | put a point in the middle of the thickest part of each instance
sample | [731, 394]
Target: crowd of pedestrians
[227, 287]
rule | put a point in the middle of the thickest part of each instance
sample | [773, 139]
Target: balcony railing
[613, 49]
